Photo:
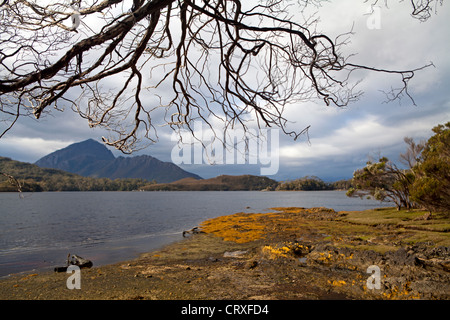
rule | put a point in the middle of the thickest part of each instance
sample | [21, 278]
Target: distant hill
[92, 159]
[27, 177]
[220, 183]
[34, 178]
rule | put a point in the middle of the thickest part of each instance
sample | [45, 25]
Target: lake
[39, 230]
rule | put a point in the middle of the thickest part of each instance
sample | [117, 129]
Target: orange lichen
[288, 209]
[247, 227]
[239, 227]
[337, 283]
[401, 292]
[275, 252]
[303, 210]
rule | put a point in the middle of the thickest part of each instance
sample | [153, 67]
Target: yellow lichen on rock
[337, 283]
[274, 252]
[239, 227]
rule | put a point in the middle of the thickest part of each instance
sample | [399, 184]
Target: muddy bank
[291, 253]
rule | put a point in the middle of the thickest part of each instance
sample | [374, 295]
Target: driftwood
[75, 260]
[195, 230]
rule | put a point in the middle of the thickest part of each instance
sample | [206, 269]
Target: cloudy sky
[340, 140]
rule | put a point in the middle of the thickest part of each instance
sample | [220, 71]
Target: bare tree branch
[214, 59]
[13, 181]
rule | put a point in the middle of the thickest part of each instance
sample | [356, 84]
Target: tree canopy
[221, 59]
[383, 181]
[431, 188]
[425, 182]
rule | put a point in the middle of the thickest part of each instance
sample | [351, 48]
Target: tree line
[422, 182]
[25, 177]
[312, 183]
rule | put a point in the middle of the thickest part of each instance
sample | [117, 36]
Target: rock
[432, 288]
[75, 261]
[252, 264]
[440, 252]
[81, 262]
[302, 249]
[195, 230]
[213, 259]
[435, 263]
[234, 254]
[402, 256]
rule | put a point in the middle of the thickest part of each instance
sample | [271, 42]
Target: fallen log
[75, 260]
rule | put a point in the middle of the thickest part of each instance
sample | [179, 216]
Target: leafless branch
[109, 60]
[13, 181]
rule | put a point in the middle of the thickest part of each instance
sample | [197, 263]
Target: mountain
[143, 167]
[83, 158]
[92, 159]
[220, 183]
[29, 177]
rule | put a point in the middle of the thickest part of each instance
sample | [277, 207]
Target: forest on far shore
[25, 177]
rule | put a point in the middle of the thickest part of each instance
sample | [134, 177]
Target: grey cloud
[401, 42]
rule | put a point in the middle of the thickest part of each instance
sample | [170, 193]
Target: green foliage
[425, 183]
[431, 187]
[31, 178]
[304, 184]
[342, 184]
[383, 181]
[220, 183]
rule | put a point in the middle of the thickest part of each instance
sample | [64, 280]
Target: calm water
[39, 230]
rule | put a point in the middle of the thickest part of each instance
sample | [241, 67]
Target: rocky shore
[290, 253]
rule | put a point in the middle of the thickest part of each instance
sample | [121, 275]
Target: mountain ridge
[17, 176]
[90, 158]
[28, 177]
[22, 176]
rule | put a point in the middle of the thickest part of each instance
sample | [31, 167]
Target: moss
[380, 248]
[239, 227]
[381, 216]
[374, 229]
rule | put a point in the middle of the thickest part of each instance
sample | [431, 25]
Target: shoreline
[290, 253]
[108, 252]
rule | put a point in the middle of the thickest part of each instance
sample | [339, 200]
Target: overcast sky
[340, 140]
